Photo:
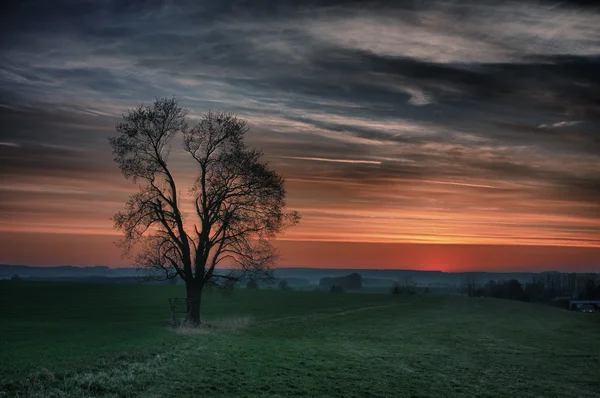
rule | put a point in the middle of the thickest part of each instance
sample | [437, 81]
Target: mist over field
[308, 276]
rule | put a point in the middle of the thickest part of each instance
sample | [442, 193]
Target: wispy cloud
[564, 123]
[460, 184]
[464, 32]
[416, 121]
[333, 160]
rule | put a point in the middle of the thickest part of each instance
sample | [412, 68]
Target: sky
[412, 134]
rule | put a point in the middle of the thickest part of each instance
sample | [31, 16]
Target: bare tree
[404, 285]
[410, 285]
[238, 199]
[470, 286]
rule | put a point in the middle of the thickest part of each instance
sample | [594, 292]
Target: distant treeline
[354, 281]
[378, 282]
[296, 282]
[542, 288]
[95, 279]
[66, 271]
[289, 282]
[371, 277]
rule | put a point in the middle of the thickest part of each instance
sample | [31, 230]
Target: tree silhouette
[238, 199]
[283, 285]
[404, 286]
[353, 281]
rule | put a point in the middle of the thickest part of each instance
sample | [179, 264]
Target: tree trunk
[194, 297]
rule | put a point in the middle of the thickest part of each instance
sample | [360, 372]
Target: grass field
[78, 339]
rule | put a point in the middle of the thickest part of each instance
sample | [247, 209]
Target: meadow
[85, 339]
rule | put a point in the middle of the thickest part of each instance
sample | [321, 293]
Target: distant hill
[313, 275]
[379, 276]
[65, 271]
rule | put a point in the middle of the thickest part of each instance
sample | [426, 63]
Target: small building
[576, 304]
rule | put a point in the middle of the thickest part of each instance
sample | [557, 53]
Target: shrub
[283, 285]
[226, 288]
[406, 286]
[252, 285]
[353, 281]
[336, 289]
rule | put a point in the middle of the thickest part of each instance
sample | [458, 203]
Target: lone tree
[238, 200]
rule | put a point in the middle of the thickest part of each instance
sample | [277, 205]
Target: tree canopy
[238, 199]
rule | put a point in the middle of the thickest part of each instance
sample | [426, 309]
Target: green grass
[78, 339]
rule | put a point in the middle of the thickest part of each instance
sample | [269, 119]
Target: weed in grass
[223, 324]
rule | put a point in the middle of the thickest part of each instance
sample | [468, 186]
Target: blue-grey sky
[392, 121]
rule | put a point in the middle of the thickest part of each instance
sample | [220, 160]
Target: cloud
[464, 32]
[353, 161]
[423, 116]
[564, 123]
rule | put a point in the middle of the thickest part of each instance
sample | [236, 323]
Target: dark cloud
[42, 161]
[552, 83]
[77, 127]
[449, 105]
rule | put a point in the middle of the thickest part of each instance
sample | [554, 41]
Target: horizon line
[328, 269]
